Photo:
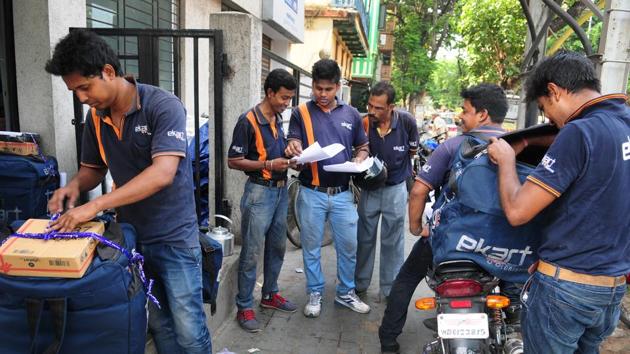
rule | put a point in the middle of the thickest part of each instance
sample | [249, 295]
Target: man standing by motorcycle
[483, 111]
[571, 303]
[393, 137]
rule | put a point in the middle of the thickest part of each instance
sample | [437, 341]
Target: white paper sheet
[316, 153]
[350, 166]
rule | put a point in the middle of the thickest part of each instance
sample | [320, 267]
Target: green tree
[493, 34]
[422, 27]
[445, 84]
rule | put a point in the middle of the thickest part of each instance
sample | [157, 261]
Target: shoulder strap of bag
[58, 308]
[97, 130]
[310, 138]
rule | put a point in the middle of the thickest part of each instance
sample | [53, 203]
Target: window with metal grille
[138, 14]
[266, 65]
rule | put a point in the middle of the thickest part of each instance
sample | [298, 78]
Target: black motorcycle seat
[457, 266]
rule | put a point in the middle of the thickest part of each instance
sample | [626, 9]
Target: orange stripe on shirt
[260, 144]
[366, 125]
[544, 186]
[97, 130]
[310, 139]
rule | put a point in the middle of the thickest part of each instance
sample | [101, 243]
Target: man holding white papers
[393, 137]
[324, 196]
[257, 149]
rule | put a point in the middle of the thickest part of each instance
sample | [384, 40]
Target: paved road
[338, 330]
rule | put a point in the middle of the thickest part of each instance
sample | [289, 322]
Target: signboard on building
[286, 17]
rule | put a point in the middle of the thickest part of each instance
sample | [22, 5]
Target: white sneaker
[314, 305]
[352, 301]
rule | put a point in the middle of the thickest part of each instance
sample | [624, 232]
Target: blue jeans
[263, 224]
[564, 317]
[180, 326]
[313, 210]
[390, 203]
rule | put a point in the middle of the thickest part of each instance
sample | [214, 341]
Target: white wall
[45, 105]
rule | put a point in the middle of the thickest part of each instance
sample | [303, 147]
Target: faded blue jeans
[180, 326]
[264, 229]
[564, 317]
[313, 209]
[389, 204]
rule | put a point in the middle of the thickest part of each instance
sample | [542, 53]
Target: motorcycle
[471, 314]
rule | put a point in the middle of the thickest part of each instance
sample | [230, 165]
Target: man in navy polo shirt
[324, 196]
[257, 148]
[138, 133]
[483, 111]
[571, 303]
[393, 136]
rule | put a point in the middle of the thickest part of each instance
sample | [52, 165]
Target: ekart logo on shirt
[178, 135]
[400, 148]
[142, 129]
[547, 162]
[238, 149]
[346, 125]
[625, 150]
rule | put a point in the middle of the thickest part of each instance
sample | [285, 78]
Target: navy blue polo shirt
[154, 126]
[395, 147]
[254, 138]
[588, 169]
[342, 125]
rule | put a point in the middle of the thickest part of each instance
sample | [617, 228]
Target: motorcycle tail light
[425, 303]
[497, 301]
[459, 288]
[460, 304]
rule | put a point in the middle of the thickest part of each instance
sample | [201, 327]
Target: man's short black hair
[278, 78]
[570, 70]
[384, 88]
[84, 52]
[489, 97]
[326, 69]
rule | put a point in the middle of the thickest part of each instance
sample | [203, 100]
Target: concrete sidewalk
[337, 330]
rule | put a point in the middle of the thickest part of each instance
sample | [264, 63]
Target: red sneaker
[277, 302]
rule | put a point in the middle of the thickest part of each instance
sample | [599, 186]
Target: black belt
[327, 190]
[268, 182]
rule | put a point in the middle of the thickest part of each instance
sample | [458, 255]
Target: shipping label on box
[18, 148]
[63, 258]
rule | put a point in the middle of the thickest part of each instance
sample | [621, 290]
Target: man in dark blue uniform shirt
[257, 148]
[571, 302]
[483, 111]
[393, 137]
[325, 196]
[138, 133]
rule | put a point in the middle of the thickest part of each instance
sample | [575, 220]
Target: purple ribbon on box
[133, 256]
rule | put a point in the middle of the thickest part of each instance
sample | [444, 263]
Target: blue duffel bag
[102, 312]
[26, 184]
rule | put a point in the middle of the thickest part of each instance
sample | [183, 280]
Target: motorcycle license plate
[463, 325]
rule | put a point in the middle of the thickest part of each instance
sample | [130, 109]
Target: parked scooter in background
[470, 312]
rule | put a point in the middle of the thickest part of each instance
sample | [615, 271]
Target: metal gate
[147, 57]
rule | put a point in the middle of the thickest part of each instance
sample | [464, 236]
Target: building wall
[366, 67]
[44, 103]
[320, 38]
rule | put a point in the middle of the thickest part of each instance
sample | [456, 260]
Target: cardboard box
[61, 258]
[22, 149]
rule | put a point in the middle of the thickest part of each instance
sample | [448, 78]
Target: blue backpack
[101, 313]
[469, 223]
[26, 184]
